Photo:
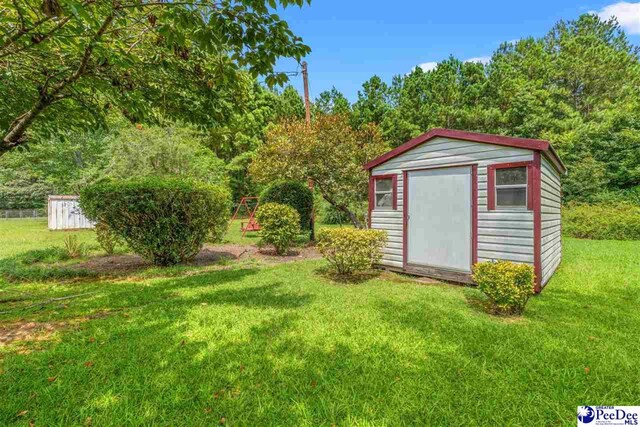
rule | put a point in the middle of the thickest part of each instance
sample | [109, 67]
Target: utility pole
[305, 80]
[307, 113]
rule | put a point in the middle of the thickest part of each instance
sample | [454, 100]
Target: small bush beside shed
[351, 250]
[508, 285]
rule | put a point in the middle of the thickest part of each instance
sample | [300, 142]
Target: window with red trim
[509, 186]
[384, 192]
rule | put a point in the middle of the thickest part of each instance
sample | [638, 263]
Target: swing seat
[252, 225]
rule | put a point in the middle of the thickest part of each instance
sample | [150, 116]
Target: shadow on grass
[52, 265]
[347, 279]
[266, 296]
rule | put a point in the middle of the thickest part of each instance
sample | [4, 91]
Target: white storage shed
[64, 213]
[448, 199]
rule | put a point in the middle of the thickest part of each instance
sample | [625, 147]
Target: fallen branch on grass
[49, 301]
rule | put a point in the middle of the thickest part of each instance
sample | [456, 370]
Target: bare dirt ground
[22, 331]
[210, 254]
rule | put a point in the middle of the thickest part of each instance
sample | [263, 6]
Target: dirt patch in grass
[27, 331]
[23, 331]
[296, 254]
[130, 263]
[124, 264]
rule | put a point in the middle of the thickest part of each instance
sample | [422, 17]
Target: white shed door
[439, 222]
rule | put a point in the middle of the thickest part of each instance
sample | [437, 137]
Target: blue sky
[353, 39]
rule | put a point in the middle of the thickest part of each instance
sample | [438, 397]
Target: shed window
[511, 187]
[384, 193]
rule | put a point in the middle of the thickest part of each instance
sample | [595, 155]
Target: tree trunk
[15, 136]
[352, 216]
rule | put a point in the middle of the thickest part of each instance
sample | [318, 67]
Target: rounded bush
[165, 220]
[350, 250]
[508, 285]
[280, 225]
[294, 194]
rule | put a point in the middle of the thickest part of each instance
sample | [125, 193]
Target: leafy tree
[173, 151]
[330, 152]
[290, 105]
[332, 102]
[241, 182]
[74, 58]
[372, 103]
[69, 162]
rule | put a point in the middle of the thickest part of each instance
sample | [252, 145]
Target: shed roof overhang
[526, 143]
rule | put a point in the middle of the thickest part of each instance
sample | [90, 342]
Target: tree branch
[16, 133]
[59, 25]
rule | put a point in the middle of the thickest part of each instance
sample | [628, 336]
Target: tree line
[178, 105]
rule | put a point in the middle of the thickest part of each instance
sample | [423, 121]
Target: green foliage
[290, 105]
[56, 165]
[69, 68]
[165, 220]
[172, 151]
[330, 152]
[107, 239]
[46, 256]
[331, 102]
[28, 266]
[576, 87]
[294, 194]
[73, 247]
[330, 215]
[12, 270]
[372, 103]
[604, 221]
[508, 285]
[240, 181]
[68, 162]
[351, 250]
[280, 225]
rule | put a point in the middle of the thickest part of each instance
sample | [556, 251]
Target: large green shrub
[508, 285]
[165, 220]
[294, 194]
[351, 250]
[280, 225]
[602, 221]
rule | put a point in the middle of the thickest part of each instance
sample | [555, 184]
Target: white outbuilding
[448, 199]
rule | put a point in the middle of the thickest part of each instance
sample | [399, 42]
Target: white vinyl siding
[551, 197]
[501, 234]
[64, 214]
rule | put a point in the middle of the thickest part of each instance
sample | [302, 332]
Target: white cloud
[480, 59]
[627, 14]
[428, 66]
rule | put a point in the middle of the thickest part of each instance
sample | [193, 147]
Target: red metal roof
[530, 144]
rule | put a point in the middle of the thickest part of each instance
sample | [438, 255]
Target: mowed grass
[257, 345]
[20, 235]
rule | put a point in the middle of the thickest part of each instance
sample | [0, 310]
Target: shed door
[439, 221]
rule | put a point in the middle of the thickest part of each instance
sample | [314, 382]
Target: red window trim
[491, 182]
[372, 190]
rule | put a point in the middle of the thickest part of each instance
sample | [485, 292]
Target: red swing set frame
[252, 224]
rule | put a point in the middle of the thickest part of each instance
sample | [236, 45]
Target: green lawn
[20, 235]
[282, 345]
